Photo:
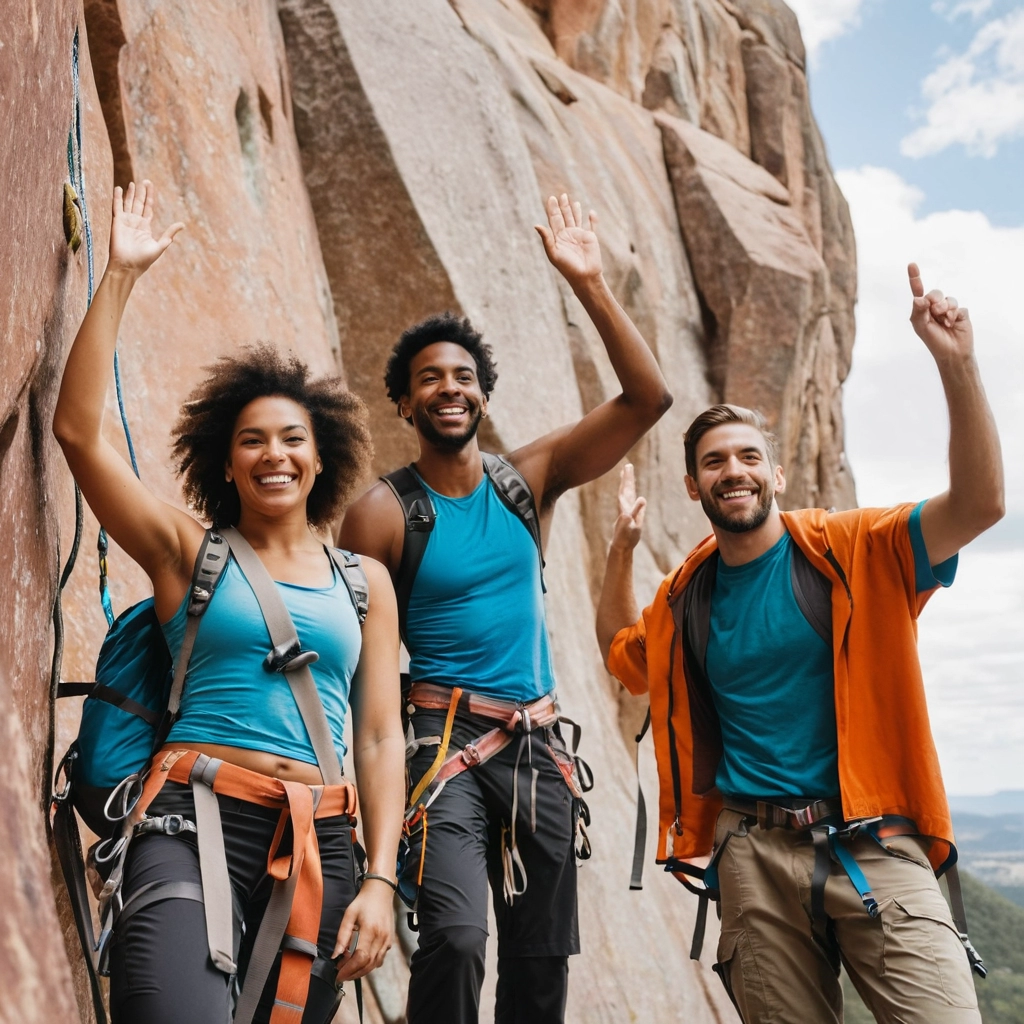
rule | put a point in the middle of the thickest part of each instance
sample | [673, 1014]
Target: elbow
[662, 404]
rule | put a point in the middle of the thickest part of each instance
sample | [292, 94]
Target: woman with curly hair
[267, 451]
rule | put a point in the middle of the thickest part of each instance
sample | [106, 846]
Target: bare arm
[374, 526]
[151, 531]
[617, 607]
[379, 751]
[583, 451]
[975, 499]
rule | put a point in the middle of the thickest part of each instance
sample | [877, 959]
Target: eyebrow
[743, 451]
[284, 430]
[438, 369]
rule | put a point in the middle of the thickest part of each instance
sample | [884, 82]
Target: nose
[273, 451]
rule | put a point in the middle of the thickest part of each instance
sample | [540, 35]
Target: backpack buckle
[289, 656]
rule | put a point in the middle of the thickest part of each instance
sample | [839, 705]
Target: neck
[287, 533]
[454, 474]
[740, 548]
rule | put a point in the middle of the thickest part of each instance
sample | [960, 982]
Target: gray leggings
[160, 968]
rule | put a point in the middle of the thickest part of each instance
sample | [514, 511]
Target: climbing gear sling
[824, 819]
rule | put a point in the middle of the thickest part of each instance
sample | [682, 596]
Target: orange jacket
[887, 759]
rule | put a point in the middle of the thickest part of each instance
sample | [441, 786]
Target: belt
[775, 816]
[514, 715]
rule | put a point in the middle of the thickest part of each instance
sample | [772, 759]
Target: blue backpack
[131, 706]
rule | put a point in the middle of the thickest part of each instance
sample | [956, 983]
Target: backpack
[508, 483]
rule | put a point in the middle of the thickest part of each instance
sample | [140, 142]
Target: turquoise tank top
[476, 612]
[231, 699]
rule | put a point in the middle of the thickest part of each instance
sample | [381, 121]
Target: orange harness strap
[298, 872]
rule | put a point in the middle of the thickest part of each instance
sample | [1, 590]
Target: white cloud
[896, 439]
[976, 98]
[951, 11]
[822, 20]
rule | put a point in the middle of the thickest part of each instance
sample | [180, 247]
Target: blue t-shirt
[476, 612]
[772, 680]
[230, 698]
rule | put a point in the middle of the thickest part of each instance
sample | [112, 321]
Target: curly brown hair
[202, 435]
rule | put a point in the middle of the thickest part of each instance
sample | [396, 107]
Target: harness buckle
[287, 657]
[471, 755]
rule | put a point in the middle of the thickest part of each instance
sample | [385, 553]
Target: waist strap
[770, 815]
[514, 716]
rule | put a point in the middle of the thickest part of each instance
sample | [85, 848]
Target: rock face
[345, 168]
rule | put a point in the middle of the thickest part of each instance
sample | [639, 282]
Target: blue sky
[922, 108]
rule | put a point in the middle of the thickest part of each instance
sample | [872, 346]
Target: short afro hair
[202, 436]
[439, 327]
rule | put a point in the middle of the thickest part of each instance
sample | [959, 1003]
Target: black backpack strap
[517, 497]
[351, 568]
[210, 562]
[813, 592]
[419, 514]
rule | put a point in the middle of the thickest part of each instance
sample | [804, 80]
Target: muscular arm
[583, 451]
[149, 530]
[379, 751]
[975, 499]
[374, 526]
[617, 606]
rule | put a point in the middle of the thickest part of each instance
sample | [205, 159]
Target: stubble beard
[738, 524]
[446, 442]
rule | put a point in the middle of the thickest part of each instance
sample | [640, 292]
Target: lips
[736, 494]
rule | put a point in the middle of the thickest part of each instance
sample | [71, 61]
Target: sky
[921, 105]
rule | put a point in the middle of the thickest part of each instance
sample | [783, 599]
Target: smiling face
[445, 401]
[273, 460]
[736, 482]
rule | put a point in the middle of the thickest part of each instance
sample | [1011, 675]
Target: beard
[446, 442]
[743, 523]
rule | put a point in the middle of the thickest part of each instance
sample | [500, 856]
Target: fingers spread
[916, 284]
[168, 235]
[129, 197]
[118, 203]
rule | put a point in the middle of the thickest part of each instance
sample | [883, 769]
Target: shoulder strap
[692, 614]
[419, 514]
[351, 568]
[210, 562]
[517, 497]
[287, 656]
[813, 593]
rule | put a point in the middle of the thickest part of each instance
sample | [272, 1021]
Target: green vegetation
[997, 931]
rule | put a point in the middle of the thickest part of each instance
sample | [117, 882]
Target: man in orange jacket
[789, 715]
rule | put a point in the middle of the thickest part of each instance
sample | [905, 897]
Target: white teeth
[279, 479]
[738, 494]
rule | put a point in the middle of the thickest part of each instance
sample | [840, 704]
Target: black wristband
[381, 878]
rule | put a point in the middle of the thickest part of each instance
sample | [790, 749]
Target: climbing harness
[513, 719]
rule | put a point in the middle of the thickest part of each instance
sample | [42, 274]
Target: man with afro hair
[480, 662]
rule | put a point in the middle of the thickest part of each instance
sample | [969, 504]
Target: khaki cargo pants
[908, 963]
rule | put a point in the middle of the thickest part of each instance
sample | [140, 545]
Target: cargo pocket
[739, 973]
[922, 948]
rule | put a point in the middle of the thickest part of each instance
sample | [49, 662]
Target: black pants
[538, 931]
[160, 967]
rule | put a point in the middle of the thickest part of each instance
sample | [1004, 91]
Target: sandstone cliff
[346, 167]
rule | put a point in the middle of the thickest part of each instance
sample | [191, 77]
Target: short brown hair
[202, 435]
[718, 415]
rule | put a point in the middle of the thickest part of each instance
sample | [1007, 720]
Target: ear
[403, 408]
[227, 471]
[483, 408]
[319, 466]
[780, 480]
[691, 487]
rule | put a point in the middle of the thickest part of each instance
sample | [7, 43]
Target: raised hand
[940, 323]
[132, 245]
[629, 526]
[571, 245]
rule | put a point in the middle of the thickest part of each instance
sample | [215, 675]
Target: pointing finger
[916, 284]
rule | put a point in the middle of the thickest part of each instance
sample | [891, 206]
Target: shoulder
[378, 500]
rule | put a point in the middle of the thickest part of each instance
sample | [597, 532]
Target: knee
[463, 944]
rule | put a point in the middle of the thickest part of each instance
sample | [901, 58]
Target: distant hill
[1006, 801]
[992, 848]
[997, 931]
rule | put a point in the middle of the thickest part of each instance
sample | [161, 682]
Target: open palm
[571, 245]
[132, 244]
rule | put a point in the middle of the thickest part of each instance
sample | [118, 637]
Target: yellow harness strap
[442, 750]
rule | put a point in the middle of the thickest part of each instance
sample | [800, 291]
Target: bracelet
[381, 878]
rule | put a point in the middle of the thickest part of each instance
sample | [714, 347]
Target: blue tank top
[476, 612]
[231, 699]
